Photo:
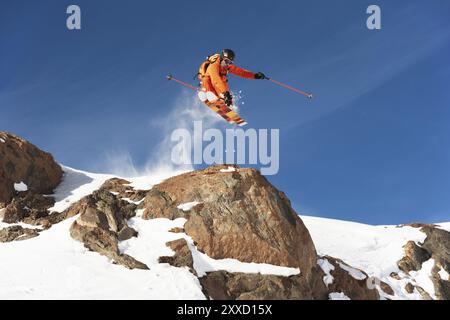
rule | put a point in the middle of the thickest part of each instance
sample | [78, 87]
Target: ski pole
[170, 77]
[309, 95]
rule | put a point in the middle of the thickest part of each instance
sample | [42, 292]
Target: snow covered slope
[374, 249]
[55, 266]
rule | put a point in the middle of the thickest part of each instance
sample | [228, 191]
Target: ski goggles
[227, 61]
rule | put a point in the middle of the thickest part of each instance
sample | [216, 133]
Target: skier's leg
[206, 87]
[210, 92]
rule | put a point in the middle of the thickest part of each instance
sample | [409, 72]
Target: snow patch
[229, 169]
[149, 180]
[444, 226]
[75, 185]
[188, 206]
[2, 140]
[133, 202]
[327, 267]
[151, 244]
[63, 269]
[444, 275]
[204, 264]
[140, 213]
[338, 296]
[355, 273]
[423, 277]
[20, 187]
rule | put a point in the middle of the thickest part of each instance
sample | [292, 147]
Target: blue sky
[373, 146]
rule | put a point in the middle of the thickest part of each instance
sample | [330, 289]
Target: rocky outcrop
[16, 233]
[437, 247]
[102, 223]
[222, 285]
[182, 256]
[230, 213]
[123, 190]
[437, 243]
[231, 286]
[236, 213]
[352, 282]
[21, 161]
[414, 257]
[27, 207]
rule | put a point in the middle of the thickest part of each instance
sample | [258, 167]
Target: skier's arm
[216, 80]
[241, 72]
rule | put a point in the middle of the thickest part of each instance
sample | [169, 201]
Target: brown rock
[13, 213]
[177, 230]
[386, 288]
[437, 244]
[104, 210]
[414, 257]
[123, 189]
[16, 233]
[221, 285]
[409, 288]
[182, 257]
[442, 289]
[96, 239]
[102, 224]
[27, 207]
[104, 242]
[130, 262]
[344, 282]
[395, 275]
[239, 212]
[21, 161]
[417, 225]
[56, 217]
[126, 233]
[108, 190]
[425, 295]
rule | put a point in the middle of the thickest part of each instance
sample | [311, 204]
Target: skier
[215, 93]
[213, 75]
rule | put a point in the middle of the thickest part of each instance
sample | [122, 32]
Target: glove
[227, 98]
[260, 76]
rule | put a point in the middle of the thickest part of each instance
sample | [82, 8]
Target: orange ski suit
[215, 77]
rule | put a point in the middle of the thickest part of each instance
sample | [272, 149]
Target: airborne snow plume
[121, 163]
[188, 108]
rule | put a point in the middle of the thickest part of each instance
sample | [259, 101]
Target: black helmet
[228, 53]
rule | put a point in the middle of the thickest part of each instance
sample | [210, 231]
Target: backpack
[206, 63]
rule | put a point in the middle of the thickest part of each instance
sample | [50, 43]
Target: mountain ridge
[202, 228]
